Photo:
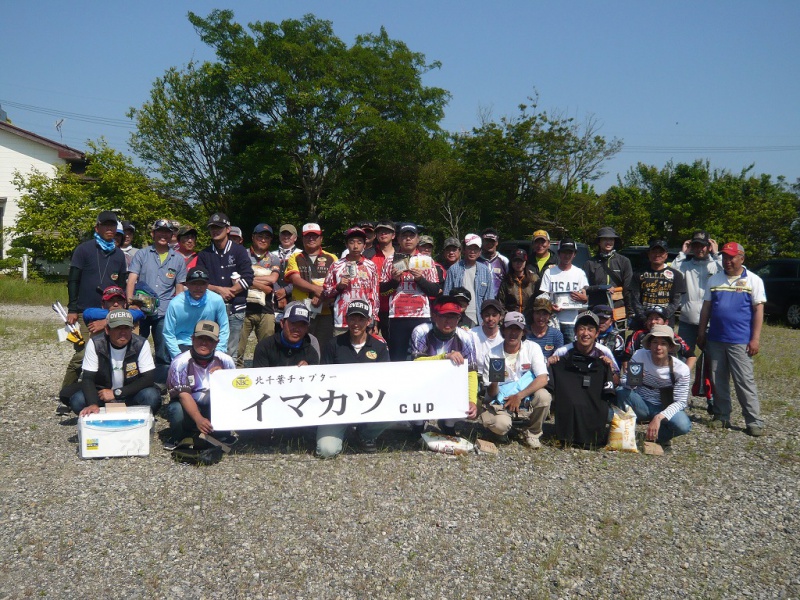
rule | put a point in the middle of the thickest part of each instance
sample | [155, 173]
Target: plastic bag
[623, 431]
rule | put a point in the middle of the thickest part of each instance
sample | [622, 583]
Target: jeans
[330, 437]
[400, 336]
[155, 325]
[235, 323]
[679, 424]
[149, 396]
[688, 332]
[568, 331]
[182, 425]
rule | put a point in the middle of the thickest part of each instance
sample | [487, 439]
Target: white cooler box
[116, 433]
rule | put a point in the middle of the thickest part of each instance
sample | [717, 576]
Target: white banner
[278, 397]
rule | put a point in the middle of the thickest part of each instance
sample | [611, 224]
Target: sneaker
[530, 440]
[171, 444]
[717, 423]
[666, 446]
[755, 430]
[227, 438]
[446, 429]
[369, 446]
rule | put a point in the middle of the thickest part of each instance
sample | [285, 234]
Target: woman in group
[664, 390]
[518, 285]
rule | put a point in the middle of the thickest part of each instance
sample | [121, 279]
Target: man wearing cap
[188, 384]
[733, 311]
[659, 285]
[444, 339]
[472, 274]
[95, 265]
[410, 289]
[451, 253]
[195, 304]
[608, 269]
[236, 235]
[292, 344]
[541, 258]
[350, 278]
[187, 245]
[384, 251]
[114, 298]
[582, 385]
[282, 291]
[307, 271]
[175, 226]
[487, 335]
[609, 335]
[369, 245]
[117, 367]
[164, 270]
[523, 386]
[519, 285]
[128, 231]
[355, 346]
[566, 284]
[497, 263]
[538, 313]
[230, 274]
[426, 247]
[697, 261]
[656, 315]
[662, 397]
[259, 316]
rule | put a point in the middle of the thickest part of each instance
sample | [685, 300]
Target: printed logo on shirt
[740, 285]
[131, 369]
[526, 367]
[170, 273]
[549, 347]
[114, 276]
[609, 385]
[190, 380]
[668, 274]
[371, 354]
[242, 382]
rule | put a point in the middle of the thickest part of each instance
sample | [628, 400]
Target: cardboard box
[115, 433]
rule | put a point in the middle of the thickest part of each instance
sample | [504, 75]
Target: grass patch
[17, 291]
[21, 332]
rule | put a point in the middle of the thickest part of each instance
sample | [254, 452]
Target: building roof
[64, 152]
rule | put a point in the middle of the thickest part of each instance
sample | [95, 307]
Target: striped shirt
[658, 377]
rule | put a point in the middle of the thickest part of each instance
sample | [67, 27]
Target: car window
[779, 270]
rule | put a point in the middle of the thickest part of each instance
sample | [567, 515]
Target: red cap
[448, 308]
[733, 249]
[113, 291]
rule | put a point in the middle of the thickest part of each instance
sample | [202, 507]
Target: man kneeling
[188, 384]
[117, 367]
[522, 387]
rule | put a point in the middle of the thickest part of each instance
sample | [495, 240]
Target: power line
[108, 121]
[706, 149]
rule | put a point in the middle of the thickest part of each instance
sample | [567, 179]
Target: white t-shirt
[529, 358]
[90, 362]
[559, 284]
[469, 283]
[484, 345]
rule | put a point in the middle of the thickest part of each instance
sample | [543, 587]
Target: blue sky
[674, 80]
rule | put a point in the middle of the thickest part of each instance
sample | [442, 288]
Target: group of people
[540, 335]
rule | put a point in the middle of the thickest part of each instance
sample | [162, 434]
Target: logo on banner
[242, 382]
[635, 369]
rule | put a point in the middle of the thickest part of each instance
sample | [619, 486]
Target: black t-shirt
[659, 288]
[98, 269]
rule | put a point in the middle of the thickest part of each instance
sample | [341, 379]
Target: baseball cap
[208, 329]
[604, 311]
[658, 243]
[409, 227]
[359, 307]
[175, 225]
[237, 231]
[287, 227]
[219, 219]
[355, 232]
[541, 233]
[472, 239]
[263, 228]
[107, 216]
[490, 233]
[733, 249]
[451, 241]
[196, 274]
[461, 293]
[445, 305]
[659, 310]
[567, 244]
[161, 224]
[185, 230]
[519, 254]
[385, 225]
[119, 318]
[542, 302]
[296, 312]
[113, 291]
[127, 225]
[587, 316]
[312, 228]
[425, 239]
[120, 230]
[514, 318]
[701, 237]
[492, 303]
[367, 225]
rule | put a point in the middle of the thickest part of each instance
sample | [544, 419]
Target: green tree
[57, 213]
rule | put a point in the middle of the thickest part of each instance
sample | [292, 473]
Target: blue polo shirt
[162, 277]
[732, 303]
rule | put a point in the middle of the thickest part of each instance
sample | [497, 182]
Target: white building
[23, 151]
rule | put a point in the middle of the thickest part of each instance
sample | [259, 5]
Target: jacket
[483, 281]
[272, 352]
[101, 380]
[619, 265]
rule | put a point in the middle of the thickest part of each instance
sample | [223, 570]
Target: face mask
[193, 302]
[104, 245]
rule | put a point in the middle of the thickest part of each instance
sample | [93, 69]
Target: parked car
[639, 260]
[507, 248]
[782, 284]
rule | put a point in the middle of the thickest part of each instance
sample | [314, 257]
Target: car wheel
[793, 315]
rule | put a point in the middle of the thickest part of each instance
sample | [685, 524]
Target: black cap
[492, 303]
[127, 225]
[263, 228]
[197, 274]
[701, 237]
[490, 233]
[567, 244]
[161, 224]
[519, 254]
[359, 307]
[659, 310]
[219, 219]
[106, 217]
[409, 227]
[461, 293]
[367, 225]
[604, 311]
[658, 243]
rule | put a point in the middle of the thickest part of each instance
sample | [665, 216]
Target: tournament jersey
[363, 286]
[185, 375]
[408, 300]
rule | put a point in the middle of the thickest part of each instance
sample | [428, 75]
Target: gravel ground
[718, 518]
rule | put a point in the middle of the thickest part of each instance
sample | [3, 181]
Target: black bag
[668, 393]
[195, 451]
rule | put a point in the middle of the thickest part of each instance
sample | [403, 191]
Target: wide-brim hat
[662, 331]
[608, 232]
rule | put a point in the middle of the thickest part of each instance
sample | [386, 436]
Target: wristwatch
[117, 392]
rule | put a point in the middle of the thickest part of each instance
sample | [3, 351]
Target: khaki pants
[322, 328]
[498, 420]
[262, 324]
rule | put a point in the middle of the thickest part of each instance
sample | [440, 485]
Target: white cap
[472, 239]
